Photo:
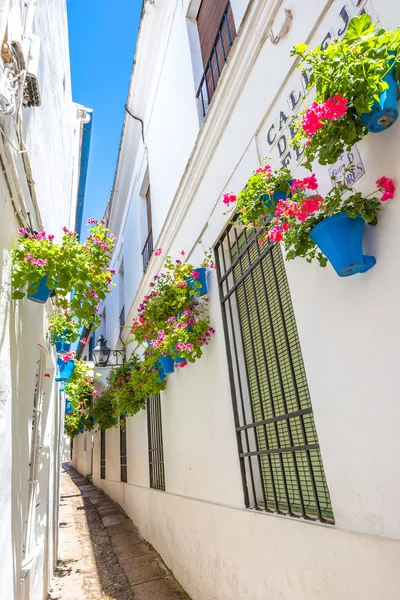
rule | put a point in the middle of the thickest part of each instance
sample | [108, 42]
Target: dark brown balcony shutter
[208, 22]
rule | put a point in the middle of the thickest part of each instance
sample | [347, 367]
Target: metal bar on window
[147, 249]
[272, 408]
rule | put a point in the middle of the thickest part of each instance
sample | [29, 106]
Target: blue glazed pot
[81, 430]
[202, 279]
[271, 202]
[61, 344]
[66, 369]
[181, 361]
[167, 364]
[340, 238]
[385, 112]
[42, 294]
[69, 409]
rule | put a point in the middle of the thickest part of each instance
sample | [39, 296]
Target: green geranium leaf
[359, 26]
[17, 295]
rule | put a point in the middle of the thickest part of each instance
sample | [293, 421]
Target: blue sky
[102, 37]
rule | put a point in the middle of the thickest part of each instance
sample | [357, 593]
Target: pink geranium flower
[158, 251]
[229, 198]
[386, 185]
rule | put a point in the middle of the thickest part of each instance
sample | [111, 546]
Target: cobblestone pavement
[101, 554]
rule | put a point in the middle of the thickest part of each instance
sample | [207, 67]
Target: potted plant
[330, 227]
[80, 391]
[130, 385]
[66, 365]
[258, 198]
[40, 266]
[102, 411]
[172, 319]
[355, 84]
[63, 328]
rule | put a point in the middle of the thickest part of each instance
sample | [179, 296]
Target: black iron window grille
[217, 59]
[122, 319]
[123, 452]
[102, 454]
[279, 453]
[156, 449]
[147, 250]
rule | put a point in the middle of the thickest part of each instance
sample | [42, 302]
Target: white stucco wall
[48, 138]
[347, 330]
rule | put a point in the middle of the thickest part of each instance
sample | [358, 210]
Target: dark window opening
[156, 450]
[279, 452]
[148, 245]
[123, 452]
[102, 454]
[216, 33]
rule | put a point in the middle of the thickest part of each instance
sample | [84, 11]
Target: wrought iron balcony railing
[147, 250]
[217, 59]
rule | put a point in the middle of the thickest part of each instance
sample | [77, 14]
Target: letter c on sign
[269, 140]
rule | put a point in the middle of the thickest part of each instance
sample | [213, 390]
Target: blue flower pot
[167, 364]
[66, 369]
[81, 430]
[193, 283]
[271, 201]
[61, 344]
[385, 112]
[180, 361]
[42, 294]
[340, 238]
[69, 409]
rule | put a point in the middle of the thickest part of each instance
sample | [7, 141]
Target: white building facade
[40, 148]
[269, 468]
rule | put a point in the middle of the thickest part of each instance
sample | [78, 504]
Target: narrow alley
[101, 552]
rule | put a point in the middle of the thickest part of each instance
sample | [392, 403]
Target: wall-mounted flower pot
[167, 364]
[181, 362]
[42, 293]
[61, 344]
[340, 238]
[271, 201]
[69, 409]
[193, 282]
[385, 112]
[66, 369]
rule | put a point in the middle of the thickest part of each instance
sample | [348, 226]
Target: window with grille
[123, 452]
[156, 451]
[102, 454]
[216, 28]
[278, 445]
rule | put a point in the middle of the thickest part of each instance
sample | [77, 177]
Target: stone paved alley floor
[102, 555]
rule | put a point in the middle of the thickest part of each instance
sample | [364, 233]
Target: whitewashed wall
[48, 138]
[348, 332]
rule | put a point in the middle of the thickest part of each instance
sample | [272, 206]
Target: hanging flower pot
[66, 369]
[42, 293]
[198, 281]
[158, 367]
[385, 112]
[340, 238]
[271, 200]
[61, 344]
[69, 409]
[167, 364]
[181, 362]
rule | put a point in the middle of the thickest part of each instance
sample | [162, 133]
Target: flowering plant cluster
[101, 412]
[173, 319]
[348, 78]
[80, 391]
[63, 324]
[256, 201]
[295, 217]
[68, 266]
